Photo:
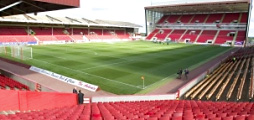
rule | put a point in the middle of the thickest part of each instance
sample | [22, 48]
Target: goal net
[22, 52]
[3, 50]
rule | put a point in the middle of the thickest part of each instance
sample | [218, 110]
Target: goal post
[22, 52]
[3, 50]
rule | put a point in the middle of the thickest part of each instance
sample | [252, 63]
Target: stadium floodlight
[22, 52]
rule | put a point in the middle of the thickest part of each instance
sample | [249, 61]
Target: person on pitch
[186, 72]
[180, 72]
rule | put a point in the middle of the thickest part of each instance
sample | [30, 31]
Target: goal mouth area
[18, 52]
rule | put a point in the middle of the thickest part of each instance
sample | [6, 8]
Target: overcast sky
[118, 10]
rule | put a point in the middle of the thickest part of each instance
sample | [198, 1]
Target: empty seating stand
[191, 35]
[61, 34]
[121, 34]
[77, 33]
[144, 110]
[15, 34]
[162, 20]
[232, 81]
[215, 21]
[185, 18]
[94, 34]
[199, 18]
[109, 34]
[6, 82]
[206, 35]
[231, 18]
[163, 34]
[213, 18]
[176, 35]
[223, 36]
[151, 35]
[44, 34]
[241, 36]
[173, 18]
[244, 18]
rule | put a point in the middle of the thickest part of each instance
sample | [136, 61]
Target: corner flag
[142, 77]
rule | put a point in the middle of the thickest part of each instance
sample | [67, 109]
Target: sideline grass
[118, 67]
[172, 77]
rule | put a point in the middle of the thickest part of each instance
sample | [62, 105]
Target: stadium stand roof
[13, 7]
[118, 23]
[200, 6]
[36, 19]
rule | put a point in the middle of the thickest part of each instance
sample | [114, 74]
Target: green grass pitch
[118, 67]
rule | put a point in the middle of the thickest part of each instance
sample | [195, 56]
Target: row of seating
[230, 81]
[240, 90]
[197, 89]
[224, 85]
[251, 88]
[198, 36]
[15, 35]
[235, 80]
[144, 110]
[6, 82]
[205, 18]
[18, 34]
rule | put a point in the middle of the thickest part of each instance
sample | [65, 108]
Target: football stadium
[194, 63]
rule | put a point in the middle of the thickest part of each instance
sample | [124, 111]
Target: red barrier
[28, 100]
[42, 100]
[22, 101]
[9, 100]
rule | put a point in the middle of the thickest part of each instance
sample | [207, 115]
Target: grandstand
[29, 92]
[62, 30]
[233, 80]
[198, 24]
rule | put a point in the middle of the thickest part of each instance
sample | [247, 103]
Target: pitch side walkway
[45, 80]
[174, 85]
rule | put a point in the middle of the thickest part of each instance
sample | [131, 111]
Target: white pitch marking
[95, 53]
[91, 74]
[106, 65]
[51, 56]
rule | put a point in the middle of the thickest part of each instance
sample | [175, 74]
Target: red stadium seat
[12, 84]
